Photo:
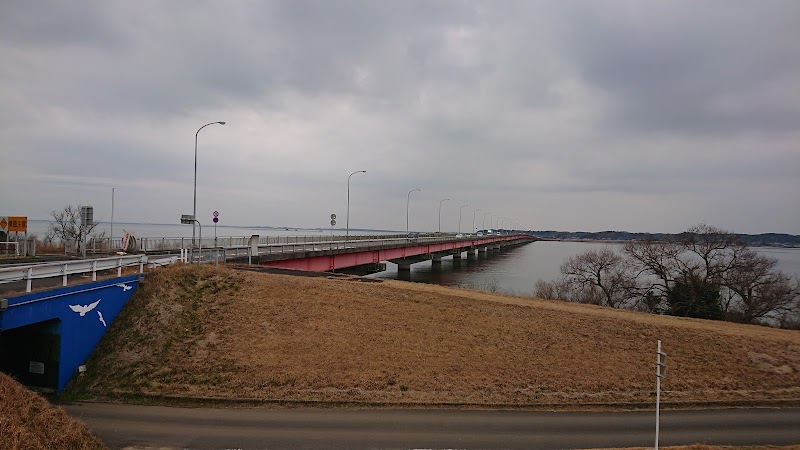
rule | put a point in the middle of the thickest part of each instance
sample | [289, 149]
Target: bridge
[47, 333]
[366, 255]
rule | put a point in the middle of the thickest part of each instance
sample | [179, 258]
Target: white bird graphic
[83, 309]
[125, 287]
[100, 315]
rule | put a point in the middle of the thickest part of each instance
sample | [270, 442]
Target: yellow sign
[3, 224]
[17, 223]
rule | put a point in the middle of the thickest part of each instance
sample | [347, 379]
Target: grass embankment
[191, 331]
[28, 421]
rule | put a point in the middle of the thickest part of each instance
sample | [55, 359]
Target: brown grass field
[202, 332]
[29, 422]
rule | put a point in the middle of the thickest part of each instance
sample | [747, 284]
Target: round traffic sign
[333, 222]
[216, 219]
[333, 216]
[216, 213]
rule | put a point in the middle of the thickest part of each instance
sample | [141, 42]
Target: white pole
[111, 240]
[658, 389]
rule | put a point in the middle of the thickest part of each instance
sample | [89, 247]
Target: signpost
[87, 220]
[15, 224]
[333, 222]
[216, 219]
[661, 372]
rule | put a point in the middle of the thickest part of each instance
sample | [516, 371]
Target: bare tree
[67, 226]
[760, 290]
[603, 271]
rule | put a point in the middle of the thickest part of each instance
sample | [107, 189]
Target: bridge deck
[321, 259]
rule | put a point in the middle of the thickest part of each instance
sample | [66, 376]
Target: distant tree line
[756, 240]
[704, 272]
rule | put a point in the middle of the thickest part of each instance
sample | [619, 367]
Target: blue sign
[216, 219]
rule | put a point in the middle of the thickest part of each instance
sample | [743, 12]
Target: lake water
[516, 270]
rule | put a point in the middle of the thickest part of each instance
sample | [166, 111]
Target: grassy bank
[201, 332]
[28, 421]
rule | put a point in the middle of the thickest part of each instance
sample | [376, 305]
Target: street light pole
[347, 238]
[194, 203]
[483, 224]
[111, 240]
[440, 212]
[473, 220]
[459, 217]
[408, 201]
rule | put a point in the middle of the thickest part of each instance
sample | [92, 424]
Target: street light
[483, 224]
[194, 207]
[459, 217]
[440, 212]
[473, 219]
[408, 201]
[347, 238]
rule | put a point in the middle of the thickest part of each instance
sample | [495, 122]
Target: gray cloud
[606, 115]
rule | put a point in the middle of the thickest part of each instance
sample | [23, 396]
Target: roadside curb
[130, 397]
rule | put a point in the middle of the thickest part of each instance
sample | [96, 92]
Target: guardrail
[66, 268]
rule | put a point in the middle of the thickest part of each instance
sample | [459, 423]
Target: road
[200, 428]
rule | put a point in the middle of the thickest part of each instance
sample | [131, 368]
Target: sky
[594, 115]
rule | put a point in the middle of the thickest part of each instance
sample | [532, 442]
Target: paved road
[199, 428]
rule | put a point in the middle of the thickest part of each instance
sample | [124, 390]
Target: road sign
[216, 213]
[333, 216]
[87, 215]
[216, 219]
[662, 365]
[12, 223]
[333, 222]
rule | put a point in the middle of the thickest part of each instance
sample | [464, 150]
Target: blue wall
[83, 322]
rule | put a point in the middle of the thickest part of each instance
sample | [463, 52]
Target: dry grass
[203, 332]
[27, 421]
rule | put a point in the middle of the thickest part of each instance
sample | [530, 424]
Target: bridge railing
[63, 269]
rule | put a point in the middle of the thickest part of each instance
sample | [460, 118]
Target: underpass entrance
[31, 353]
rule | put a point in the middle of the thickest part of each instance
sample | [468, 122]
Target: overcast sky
[604, 115]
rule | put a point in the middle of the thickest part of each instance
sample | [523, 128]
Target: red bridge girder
[359, 257]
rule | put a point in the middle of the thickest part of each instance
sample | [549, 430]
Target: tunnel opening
[31, 354]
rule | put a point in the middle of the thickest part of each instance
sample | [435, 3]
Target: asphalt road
[200, 428]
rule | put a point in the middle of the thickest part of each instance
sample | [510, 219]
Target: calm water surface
[516, 270]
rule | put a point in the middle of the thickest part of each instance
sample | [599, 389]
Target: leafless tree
[603, 271]
[67, 225]
[759, 289]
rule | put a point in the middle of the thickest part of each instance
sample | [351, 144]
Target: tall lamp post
[194, 203]
[483, 224]
[440, 212]
[459, 217]
[347, 238]
[408, 201]
[473, 220]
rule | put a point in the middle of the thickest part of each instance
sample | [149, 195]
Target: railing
[65, 268]
[5, 246]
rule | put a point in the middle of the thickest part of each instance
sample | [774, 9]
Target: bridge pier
[472, 253]
[457, 254]
[404, 264]
[483, 249]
